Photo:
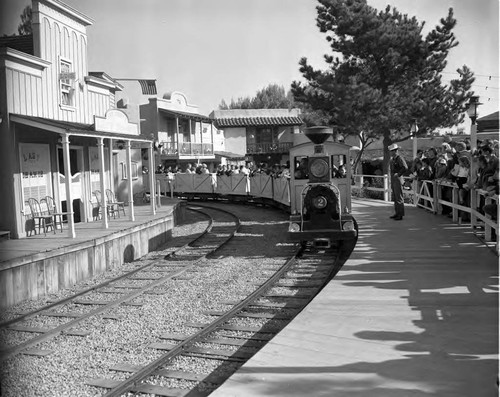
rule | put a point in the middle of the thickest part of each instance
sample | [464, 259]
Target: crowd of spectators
[249, 168]
[454, 162]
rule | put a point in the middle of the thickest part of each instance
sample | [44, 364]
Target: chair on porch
[29, 222]
[111, 209]
[96, 207]
[58, 216]
[111, 198]
[40, 214]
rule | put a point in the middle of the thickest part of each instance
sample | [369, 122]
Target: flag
[148, 87]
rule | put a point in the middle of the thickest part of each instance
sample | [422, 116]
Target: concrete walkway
[413, 312]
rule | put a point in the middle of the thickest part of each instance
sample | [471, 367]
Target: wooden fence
[435, 196]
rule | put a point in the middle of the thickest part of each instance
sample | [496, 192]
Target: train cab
[320, 190]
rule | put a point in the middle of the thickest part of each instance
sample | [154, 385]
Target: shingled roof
[20, 43]
[256, 117]
[257, 121]
[488, 123]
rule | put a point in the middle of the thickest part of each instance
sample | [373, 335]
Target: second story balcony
[187, 150]
[257, 148]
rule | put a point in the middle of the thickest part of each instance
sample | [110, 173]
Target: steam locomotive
[320, 191]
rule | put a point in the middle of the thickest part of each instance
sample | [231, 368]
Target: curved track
[279, 297]
[126, 287]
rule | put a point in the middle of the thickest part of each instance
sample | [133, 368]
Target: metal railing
[187, 149]
[278, 147]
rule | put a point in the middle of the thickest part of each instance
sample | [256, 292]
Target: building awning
[257, 121]
[72, 128]
[187, 115]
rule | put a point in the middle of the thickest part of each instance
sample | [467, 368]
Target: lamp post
[473, 113]
[413, 131]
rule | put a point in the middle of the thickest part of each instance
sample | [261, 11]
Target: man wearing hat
[398, 169]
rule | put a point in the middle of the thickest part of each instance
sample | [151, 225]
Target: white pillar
[111, 168]
[69, 199]
[415, 147]
[104, 204]
[151, 179]
[130, 183]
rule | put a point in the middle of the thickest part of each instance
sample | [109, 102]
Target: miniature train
[317, 194]
[320, 185]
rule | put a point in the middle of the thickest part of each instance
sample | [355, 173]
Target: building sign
[95, 167]
[67, 76]
[35, 170]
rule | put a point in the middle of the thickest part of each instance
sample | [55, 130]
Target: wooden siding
[23, 92]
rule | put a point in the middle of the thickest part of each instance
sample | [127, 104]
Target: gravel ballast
[231, 274]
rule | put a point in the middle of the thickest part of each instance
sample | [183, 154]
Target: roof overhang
[187, 115]
[72, 129]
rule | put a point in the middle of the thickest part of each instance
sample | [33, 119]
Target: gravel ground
[229, 276]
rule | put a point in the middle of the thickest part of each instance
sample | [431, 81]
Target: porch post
[191, 140]
[69, 199]
[177, 136]
[104, 203]
[151, 179]
[111, 169]
[130, 183]
[212, 138]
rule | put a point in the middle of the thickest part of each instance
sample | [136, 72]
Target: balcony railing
[187, 149]
[282, 147]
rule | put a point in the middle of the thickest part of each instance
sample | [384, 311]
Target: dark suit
[398, 169]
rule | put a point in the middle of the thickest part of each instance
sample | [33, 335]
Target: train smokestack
[318, 134]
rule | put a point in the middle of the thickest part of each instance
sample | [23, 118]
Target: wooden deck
[413, 312]
[41, 264]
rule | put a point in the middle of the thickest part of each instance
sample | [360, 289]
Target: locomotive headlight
[319, 168]
[348, 226]
[320, 202]
[293, 227]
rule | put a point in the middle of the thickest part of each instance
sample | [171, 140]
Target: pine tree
[271, 97]
[24, 28]
[383, 73]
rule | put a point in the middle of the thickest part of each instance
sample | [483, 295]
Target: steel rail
[103, 284]
[129, 383]
[6, 353]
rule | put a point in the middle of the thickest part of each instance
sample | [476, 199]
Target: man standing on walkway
[398, 169]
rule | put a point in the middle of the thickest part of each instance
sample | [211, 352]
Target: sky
[226, 49]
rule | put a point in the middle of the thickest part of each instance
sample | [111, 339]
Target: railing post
[455, 202]
[438, 194]
[158, 193]
[487, 227]
[414, 186]
[435, 196]
[386, 188]
[473, 207]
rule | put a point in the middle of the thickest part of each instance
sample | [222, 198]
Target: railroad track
[278, 298]
[148, 278]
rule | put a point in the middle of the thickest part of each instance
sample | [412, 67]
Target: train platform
[38, 265]
[413, 312]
